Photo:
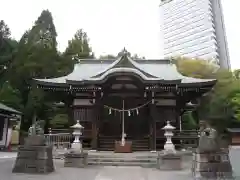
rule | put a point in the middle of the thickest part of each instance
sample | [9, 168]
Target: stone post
[169, 146]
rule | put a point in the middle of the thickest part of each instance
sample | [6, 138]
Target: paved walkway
[8, 155]
[94, 173]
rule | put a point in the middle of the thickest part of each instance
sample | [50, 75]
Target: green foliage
[237, 73]
[7, 50]
[60, 121]
[10, 96]
[112, 57]
[221, 105]
[4, 30]
[235, 104]
[43, 33]
[36, 57]
[79, 46]
[188, 122]
[107, 57]
[197, 68]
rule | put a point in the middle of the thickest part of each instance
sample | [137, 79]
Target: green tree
[79, 46]
[197, 68]
[235, 104]
[4, 30]
[10, 96]
[107, 57]
[188, 122]
[219, 105]
[59, 121]
[7, 49]
[37, 57]
[237, 73]
[43, 33]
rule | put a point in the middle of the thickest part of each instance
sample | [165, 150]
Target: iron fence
[59, 140]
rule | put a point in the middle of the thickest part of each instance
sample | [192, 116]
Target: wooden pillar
[153, 128]
[70, 109]
[177, 117]
[154, 136]
[95, 122]
[94, 142]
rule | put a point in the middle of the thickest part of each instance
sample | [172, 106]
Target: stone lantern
[77, 132]
[169, 158]
[76, 157]
[169, 146]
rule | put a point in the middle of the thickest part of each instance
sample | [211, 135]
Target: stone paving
[94, 173]
[8, 155]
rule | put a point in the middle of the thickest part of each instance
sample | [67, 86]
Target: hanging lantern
[129, 113]
[137, 111]
[110, 111]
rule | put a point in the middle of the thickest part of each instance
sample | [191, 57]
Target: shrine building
[126, 97]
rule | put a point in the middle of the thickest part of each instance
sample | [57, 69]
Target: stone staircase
[142, 159]
[106, 143]
[140, 145]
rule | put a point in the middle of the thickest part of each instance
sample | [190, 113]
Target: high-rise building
[194, 28]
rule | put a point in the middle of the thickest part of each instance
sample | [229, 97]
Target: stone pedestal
[211, 165]
[234, 156]
[75, 159]
[34, 159]
[169, 161]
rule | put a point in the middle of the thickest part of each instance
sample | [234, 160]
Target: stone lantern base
[76, 159]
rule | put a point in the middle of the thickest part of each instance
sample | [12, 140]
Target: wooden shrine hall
[126, 100]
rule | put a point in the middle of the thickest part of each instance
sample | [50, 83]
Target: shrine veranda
[126, 97]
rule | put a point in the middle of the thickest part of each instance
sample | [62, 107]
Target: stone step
[123, 155]
[140, 144]
[141, 164]
[106, 148]
[107, 142]
[121, 160]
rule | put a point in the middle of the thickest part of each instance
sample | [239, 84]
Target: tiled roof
[9, 109]
[98, 70]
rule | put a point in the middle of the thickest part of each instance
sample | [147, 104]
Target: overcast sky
[110, 24]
